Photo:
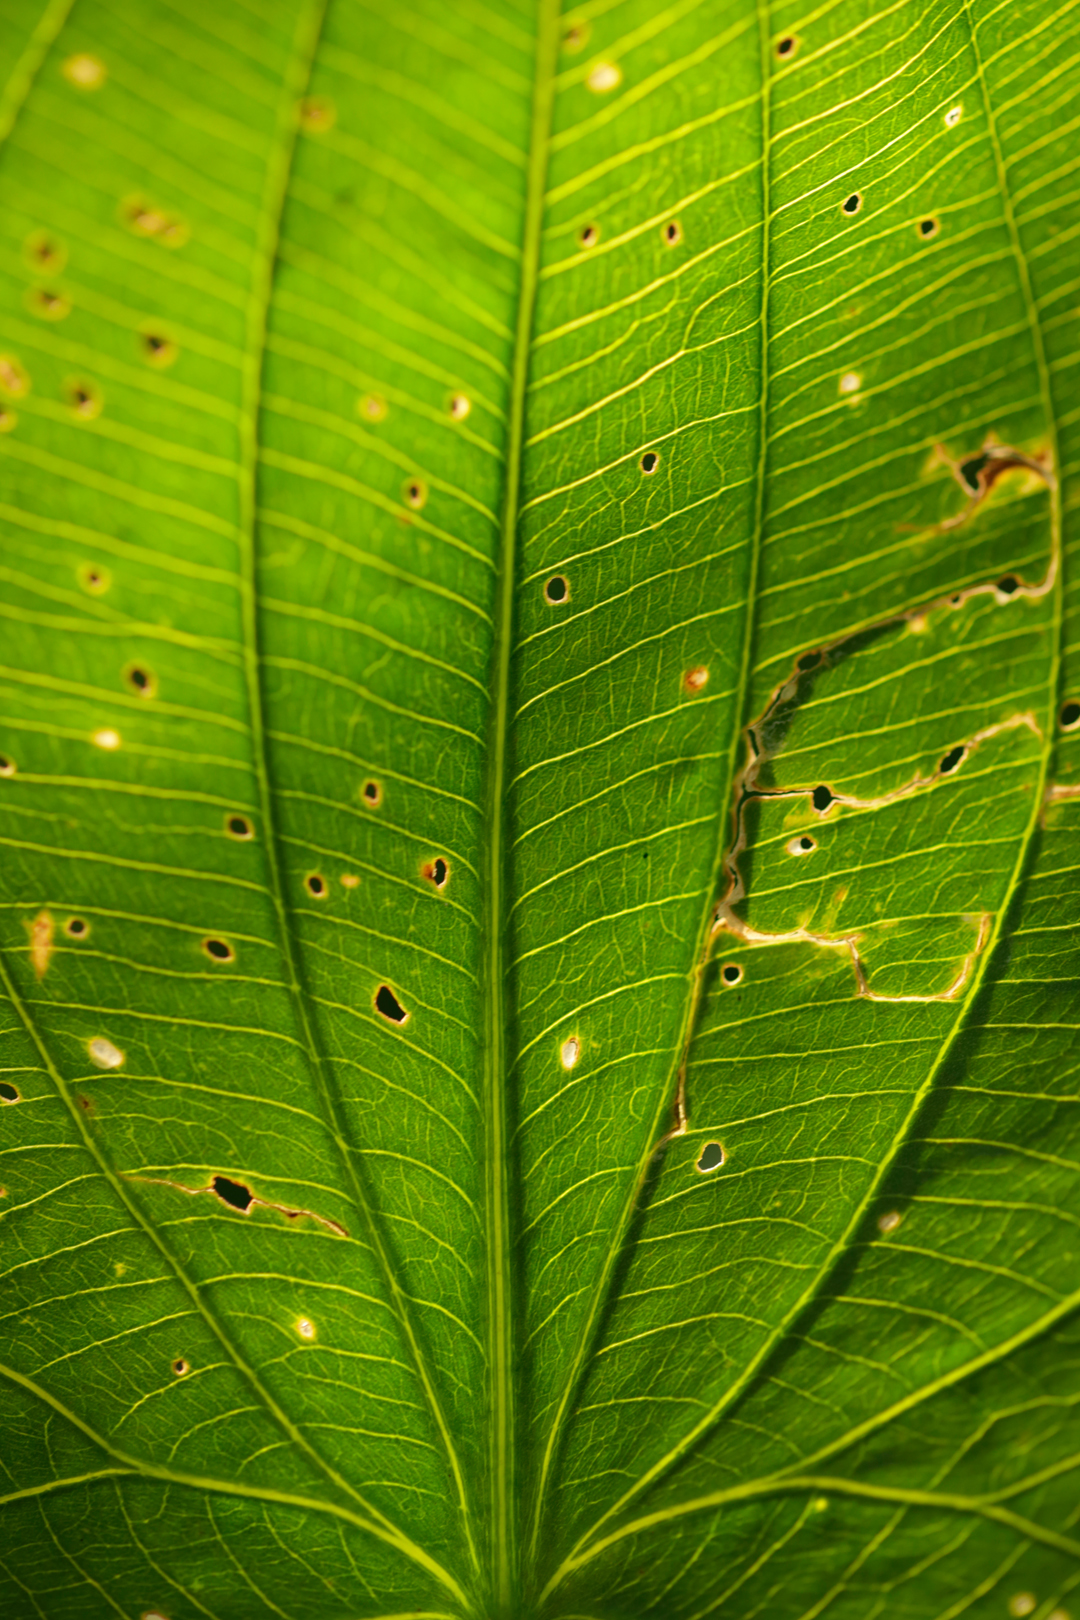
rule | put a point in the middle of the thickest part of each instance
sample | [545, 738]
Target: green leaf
[538, 802]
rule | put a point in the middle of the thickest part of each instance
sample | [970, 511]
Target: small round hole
[219, 950]
[239, 827]
[711, 1158]
[180, 1367]
[952, 759]
[590, 236]
[731, 973]
[316, 885]
[852, 204]
[556, 590]
[8, 1093]
[928, 228]
[7, 766]
[649, 461]
[1070, 715]
[672, 233]
[139, 678]
[1009, 585]
[416, 493]
[786, 47]
[801, 846]
[76, 928]
[371, 793]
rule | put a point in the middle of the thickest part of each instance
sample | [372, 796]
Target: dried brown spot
[41, 942]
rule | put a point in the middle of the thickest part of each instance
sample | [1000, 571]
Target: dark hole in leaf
[140, 679]
[952, 759]
[75, 927]
[823, 797]
[372, 792]
[809, 660]
[853, 203]
[219, 949]
[233, 1193]
[556, 589]
[806, 843]
[785, 46]
[389, 1005]
[970, 470]
[1008, 585]
[316, 885]
[731, 973]
[712, 1156]
[240, 827]
[7, 767]
[672, 231]
[589, 235]
[649, 461]
[438, 872]
[8, 1092]
[927, 227]
[1070, 714]
[180, 1367]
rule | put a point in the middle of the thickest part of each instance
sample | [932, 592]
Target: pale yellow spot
[84, 71]
[104, 1053]
[917, 624]
[604, 76]
[888, 1223]
[1023, 1603]
[460, 406]
[952, 117]
[349, 880]
[850, 382]
[571, 1051]
[41, 942]
[106, 738]
[305, 1328]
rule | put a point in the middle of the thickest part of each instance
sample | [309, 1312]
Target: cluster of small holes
[316, 885]
[731, 973]
[388, 1004]
[76, 928]
[604, 76]
[8, 1092]
[852, 204]
[928, 227]
[1070, 715]
[7, 766]
[371, 793]
[590, 236]
[238, 826]
[140, 680]
[219, 950]
[84, 398]
[415, 493]
[712, 1156]
[557, 590]
[672, 233]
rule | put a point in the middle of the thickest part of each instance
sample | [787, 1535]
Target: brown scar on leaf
[978, 474]
[41, 942]
[253, 1200]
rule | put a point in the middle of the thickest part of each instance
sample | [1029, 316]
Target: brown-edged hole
[672, 233]
[1070, 715]
[416, 493]
[589, 236]
[219, 950]
[711, 1158]
[650, 461]
[389, 1005]
[928, 228]
[179, 1366]
[731, 973]
[557, 590]
[371, 793]
[786, 47]
[233, 1193]
[140, 679]
[316, 885]
[852, 204]
[7, 766]
[437, 872]
[238, 826]
[8, 1093]
[76, 928]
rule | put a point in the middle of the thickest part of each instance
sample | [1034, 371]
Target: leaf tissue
[539, 907]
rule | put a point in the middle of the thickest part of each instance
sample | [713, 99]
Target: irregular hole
[51, 306]
[85, 72]
[696, 678]
[650, 461]
[569, 1052]
[415, 493]
[590, 236]
[604, 76]
[84, 398]
[556, 590]
[349, 880]
[952, 117]
[219, 949]
[76, 928]
[711, 1158]
[104, 1053]
[801, 846]
[159, 350]
[106, 738]
[460, 406]
[238, 826]
[437, 872]
[952, 759]
[1070, 715]
[928, 228]
[889, 1221]
[672, 233]
[305, 1328]
[1008, 585]
[852, 204]
[809, 660]
[731, 973]
[317, 115]
[371, 793]
[785, 48]
[233, 1193]
[94, 579]
[822, 798]
[8, 1093]
[14, 380]
[44, 252]
[316, 885]
[850, 382]
[372, 407]
[140, 680]
[7, 766]
[969, 471]
[180, 1367]
[389, 1005]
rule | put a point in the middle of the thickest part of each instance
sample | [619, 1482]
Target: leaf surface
[537, 796]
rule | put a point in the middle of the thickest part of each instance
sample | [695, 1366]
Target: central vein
[499, 1236]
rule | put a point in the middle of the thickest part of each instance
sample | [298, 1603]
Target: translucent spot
[569, 1052]
[219, 950]
[180, 1367]
[238, 826]
[104, 1053]
[84, 398]
[371, 793]
[650, 461]
[852, 204]
[76, 928]
[416, 493]
[8, 766]
[952, 117]
[84, 71]
[8, 1093]
[696, 678]
[94, 579]
[389, 1005]
[316, 885]
[43, 252]
[604, 76]
[51, 306]
[590, 236]
[140, 679]
[927, 228]
[41, 943]
[349, 880]
[711, 1158]
[305, 1328]
[889, 1221]
[317, 115]
[801, 846]
[106, 738]
[672, 233]
[557, 590]
[460, 406]
[850, 382]
[158, 349]
[731, 973]
[14, 381]
[1023, 1603]
[372, 407]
